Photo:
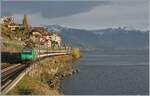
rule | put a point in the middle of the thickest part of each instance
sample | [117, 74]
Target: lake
[116, 72]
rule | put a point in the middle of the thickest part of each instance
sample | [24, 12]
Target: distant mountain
[54, 28]
[101, 39]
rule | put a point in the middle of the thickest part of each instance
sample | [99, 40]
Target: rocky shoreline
[60, 76]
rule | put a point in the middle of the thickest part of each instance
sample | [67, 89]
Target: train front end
[28, 54]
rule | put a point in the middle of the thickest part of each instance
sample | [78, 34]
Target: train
[32, 54]
[28, 54]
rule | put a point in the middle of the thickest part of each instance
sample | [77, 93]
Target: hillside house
[48, 39]
[13, 27]
[9, 21]
[56, 38]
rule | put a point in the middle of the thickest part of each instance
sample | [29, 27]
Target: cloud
[50, 9]
[129, 13]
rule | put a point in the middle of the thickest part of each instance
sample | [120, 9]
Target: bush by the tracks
[76, 53]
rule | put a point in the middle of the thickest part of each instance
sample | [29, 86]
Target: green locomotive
[28, 54]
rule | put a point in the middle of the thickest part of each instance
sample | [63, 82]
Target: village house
[47, 39]
[13, 27]
[56, 38]
[9, 21]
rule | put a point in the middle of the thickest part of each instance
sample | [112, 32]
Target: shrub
[76, 52]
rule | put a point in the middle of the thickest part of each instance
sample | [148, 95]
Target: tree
[26, 23]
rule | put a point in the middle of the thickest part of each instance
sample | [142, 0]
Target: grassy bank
[46, 78]
[30, 86]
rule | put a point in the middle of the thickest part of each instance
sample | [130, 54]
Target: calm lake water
[110, 72]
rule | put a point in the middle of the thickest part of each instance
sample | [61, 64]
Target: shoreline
[59, 77]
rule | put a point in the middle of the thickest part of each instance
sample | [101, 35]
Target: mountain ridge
[108, 38]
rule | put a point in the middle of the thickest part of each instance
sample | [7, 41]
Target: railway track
[3, 66]
[10, 73]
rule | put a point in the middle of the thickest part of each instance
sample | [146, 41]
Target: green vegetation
[7, 33]
[76, 52]
[24, 87]
[30, 86]
[12, 39]
[11, 45]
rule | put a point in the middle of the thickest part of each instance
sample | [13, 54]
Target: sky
[99, 14]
